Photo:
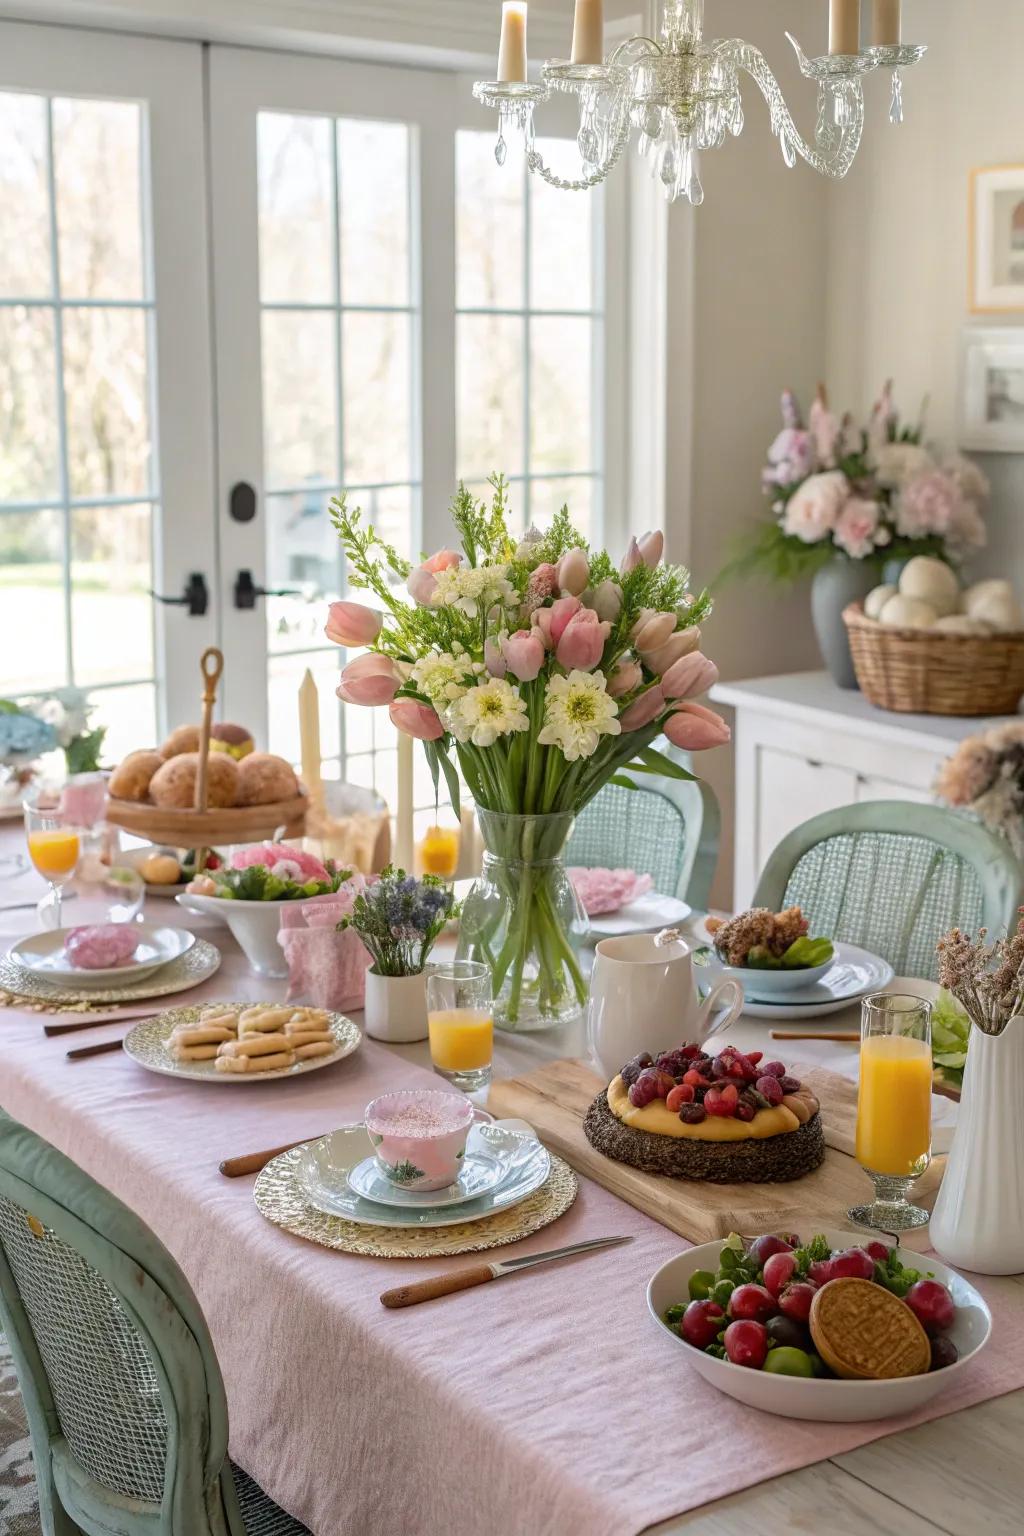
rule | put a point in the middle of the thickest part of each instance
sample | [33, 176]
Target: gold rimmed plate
[189, 970]
[146, 1043]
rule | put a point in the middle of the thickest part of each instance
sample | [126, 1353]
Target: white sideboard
[804, 746]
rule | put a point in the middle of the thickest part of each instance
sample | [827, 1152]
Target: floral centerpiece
[69, 713]
[538, 671]
[985, 775]
[399, 918]
[23, 739]
[271, 872]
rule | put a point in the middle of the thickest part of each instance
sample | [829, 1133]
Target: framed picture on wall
[992, 390]
[997, 240]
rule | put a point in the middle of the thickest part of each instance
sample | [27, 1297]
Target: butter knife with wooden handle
[255, 1162]
[479, 1274]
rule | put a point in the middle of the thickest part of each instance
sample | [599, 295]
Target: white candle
[844, 26]
[887, 23]
[588, 32]
[512, 50]
[404, 851]
[309, 737]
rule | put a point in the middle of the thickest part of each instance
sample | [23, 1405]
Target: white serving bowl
[771, 984]
[831, 1401]
[254, 924]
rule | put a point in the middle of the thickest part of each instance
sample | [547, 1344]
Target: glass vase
[523, 919]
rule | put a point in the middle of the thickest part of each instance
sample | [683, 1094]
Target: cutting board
[555, 1098]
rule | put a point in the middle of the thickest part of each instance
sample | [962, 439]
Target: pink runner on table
[546, 1403]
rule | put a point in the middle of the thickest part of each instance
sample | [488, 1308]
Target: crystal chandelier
[682, 92]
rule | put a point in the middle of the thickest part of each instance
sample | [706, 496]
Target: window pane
[31, 601]
[285, 677]
[302, 552]
[130, 717]
[560, 395]
[97, 170]
[107, 406]
[300, 417]
[549, 496]
[111, 610]
[358, 728]
[489, 229]
[375, 366]
[28, 406]
[490, 395]
[25, 248]
[373, 174]
[394, 512]
[296, 218]
[561, 242]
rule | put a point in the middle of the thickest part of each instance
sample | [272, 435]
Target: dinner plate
[854, 974]
[44, 954]
[644, 915]
[480, 1172]
[324, 1166]
[196, 965]
[824, 1401]
[146, 1043]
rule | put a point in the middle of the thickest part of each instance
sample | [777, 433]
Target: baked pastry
[131, 779]
[184, 739]
[173, 787]
[263, 778]
[865, 1333]
[726, 1119]
[160, 869]
[235, 740]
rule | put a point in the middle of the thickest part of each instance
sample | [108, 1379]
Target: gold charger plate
[281, 1200]
[189, 970]
[146, 1043]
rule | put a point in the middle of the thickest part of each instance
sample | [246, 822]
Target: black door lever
[195, 597]
[246, 591]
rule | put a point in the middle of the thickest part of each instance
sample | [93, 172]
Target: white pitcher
[643, 997]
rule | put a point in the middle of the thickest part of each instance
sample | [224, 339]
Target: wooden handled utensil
[255, 1162]
[101, 1049]
[99, 1018]
[211, 665]
[843, 1036]
[479, 1274]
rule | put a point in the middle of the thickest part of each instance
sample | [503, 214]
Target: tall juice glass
[53, 847]
[894, 1107]
[460, 1019]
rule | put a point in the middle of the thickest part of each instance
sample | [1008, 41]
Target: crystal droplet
[737, 118]
[652, 123]
[695, 190]
[586, 141]
[500, 149]
[896, 110]
[668, 168]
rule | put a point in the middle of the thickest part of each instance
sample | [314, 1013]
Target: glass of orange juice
[439, 851]
[460, 1018]
[894, 1107]
[53, 847]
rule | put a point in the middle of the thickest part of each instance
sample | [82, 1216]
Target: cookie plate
[147, 1044]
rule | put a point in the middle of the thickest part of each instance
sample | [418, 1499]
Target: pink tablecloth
[547, 1403]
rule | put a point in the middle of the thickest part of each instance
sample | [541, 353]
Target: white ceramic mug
[643, 997]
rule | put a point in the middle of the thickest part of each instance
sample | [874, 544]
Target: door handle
[195, 598]
[246, 591]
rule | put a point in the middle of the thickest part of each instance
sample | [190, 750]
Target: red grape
[788, 1333]
[778, 1272]
[932, 1305]
[796, 1299]
[650, 1085]
[693, 1114]
[944, 1352]
[770, 1088]
[820, 1272]
[789, 1084]
[852, 1263]
[701, 1323]
[762, 1248]
[773, 1069]
[631, 1071]
[752, 1301]
[746, 1343]
[878, 1251]
[681, 1094]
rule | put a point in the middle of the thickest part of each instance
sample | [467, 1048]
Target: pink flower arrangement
[286, 862]
[607, 890]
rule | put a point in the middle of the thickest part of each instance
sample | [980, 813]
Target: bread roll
[131, 779]
[173, 787]
[263, 778]
[184, 739]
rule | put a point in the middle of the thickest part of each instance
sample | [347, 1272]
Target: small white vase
[978, 1220]
[396, 1007]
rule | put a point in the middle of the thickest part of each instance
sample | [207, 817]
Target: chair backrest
[664, 828]
[120, 1380]
[893, 876]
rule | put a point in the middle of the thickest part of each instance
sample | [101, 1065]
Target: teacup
[419, 1136]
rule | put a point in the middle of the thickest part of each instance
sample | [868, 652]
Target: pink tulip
[680, 644]
[606, 600]
[652, 547]
[352, 624]
[626, 678]
[643, 710]
[494, 661]
[654, 630]
[415, 719]
[696, 729]
[524, 654]
[552, 621]
[573, 572]
[582, 642]
[369, 680]
[373, 664]
[632, 558]
[689, 676]
[422, 580]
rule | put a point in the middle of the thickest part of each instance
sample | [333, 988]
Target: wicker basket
[928, 672]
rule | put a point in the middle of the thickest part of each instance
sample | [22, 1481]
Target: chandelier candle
[512, 49]
[844, 26]
[588, 32]
[886, 24]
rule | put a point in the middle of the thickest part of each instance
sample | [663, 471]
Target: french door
[106, 412]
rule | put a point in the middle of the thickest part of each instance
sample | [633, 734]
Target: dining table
[546, 1404]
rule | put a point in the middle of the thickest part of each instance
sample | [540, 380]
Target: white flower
[577, 713]
[972, 482]
[896, 463]
[443, 677]
[813, 509]
[469, 588]
[486, 712]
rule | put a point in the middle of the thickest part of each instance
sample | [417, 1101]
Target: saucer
[480, 1172]
[43, 954]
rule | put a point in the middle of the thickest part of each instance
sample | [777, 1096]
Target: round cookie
[173, 787]
[865, 1333]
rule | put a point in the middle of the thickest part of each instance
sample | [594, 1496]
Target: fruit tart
[729, 1119]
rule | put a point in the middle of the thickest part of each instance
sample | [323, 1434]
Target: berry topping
[631, 1071]
[692, 1114]
[789, 1084]
[774, 1069]
[770, 1088]
[650, 1085]
[681, 1094]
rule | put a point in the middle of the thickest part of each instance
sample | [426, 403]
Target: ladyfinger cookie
[315, 1048]
[220, 1016]
[297, 1037]
[308, 1018]
[255, 1045]
[202, 1034]
[270, 1063]
[193, 1052]
[263, 1018]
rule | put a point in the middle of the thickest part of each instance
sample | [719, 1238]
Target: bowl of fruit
[837, 1329]
[769, 953]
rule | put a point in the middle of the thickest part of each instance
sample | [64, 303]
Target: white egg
[908, 613]
[999, 611]
[877, 599]
[984, 591]
[961, 624]
[932, 581]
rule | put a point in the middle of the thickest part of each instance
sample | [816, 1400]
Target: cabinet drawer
[791, 789]
[870, 787]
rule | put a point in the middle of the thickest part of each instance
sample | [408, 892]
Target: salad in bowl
[769, 952]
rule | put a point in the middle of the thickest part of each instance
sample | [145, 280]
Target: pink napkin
[325, 968]
[606, 890]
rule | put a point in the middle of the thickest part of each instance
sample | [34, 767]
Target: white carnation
[484, 713]
[577, 713]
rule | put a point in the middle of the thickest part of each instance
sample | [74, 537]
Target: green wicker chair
[122, 1388]
[892, 877]
[664, 828]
